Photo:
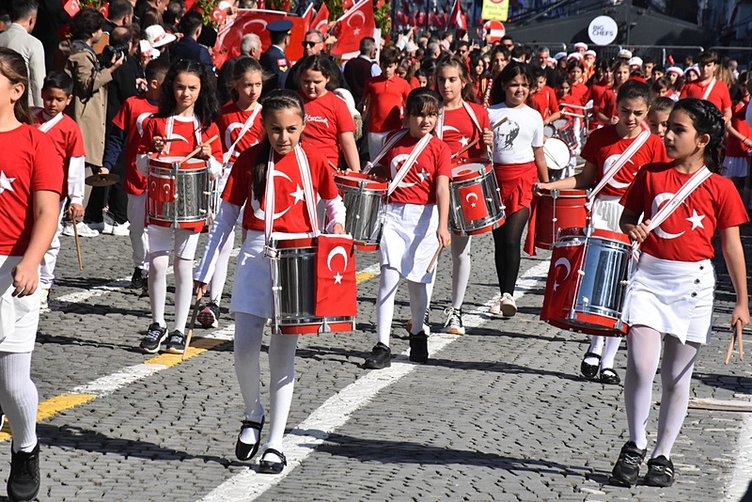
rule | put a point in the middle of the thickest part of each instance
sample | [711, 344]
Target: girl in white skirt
[669, 298]
[283, 121]
[31, 180]
[416, 222]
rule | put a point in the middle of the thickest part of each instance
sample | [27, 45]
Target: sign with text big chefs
[602, 30]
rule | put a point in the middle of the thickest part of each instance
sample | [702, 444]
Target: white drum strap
[246, 127]
[171, 125]
[269, 199]
[387, 146]
[473, 117]
[617, 165]
[417, 150]
[680, 196]
[47, 126]
[468, 109]
[709, 88]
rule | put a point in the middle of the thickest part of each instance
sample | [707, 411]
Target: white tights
[643, 354]
[219, 277]
[19, 398]
[158, 263]
[248, 332]
[388, 283]
[461, 264]
[606, 347]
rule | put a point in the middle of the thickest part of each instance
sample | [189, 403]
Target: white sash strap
[468, 109]
[171, 125]
[269, 199]
[617, 165]
[417, 150]
[387, 146]
[709, 88]
[473, 117]
[45, 127]
[246, 127]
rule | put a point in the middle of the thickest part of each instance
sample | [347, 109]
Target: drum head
[557, 154]
[469, 168]
[549, 131]
[560, 124]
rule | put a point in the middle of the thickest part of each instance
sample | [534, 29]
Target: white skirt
[672, 297]
[735, 167]
[252, 288]
[606, 212]
[19, 317]
[408, 239]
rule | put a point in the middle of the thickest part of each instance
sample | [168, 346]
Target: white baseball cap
[635, 61]
[157, 36]
[675, 69]
[624, 54]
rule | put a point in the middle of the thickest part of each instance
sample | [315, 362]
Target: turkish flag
[335, 293]
[472, 202]
[308, 16]
[161, 190]
[347, 4]
[561, 286]
[72, 7]
[352, 27]
[321, 20]
[105, 10]
[218, 15]
[457, 18]
[246, 21]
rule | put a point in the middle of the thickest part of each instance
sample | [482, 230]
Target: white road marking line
[739, 480]
[336, 410]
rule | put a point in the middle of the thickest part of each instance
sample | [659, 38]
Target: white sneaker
[101, 227]
[507, 305]
[44, 296]
[83, 230]
[121, 229]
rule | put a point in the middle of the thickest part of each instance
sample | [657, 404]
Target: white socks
[461, 264]
[220, 269]
[388, 283]
[19, 398]
[183, 291]
[606, 347]
[282, 382]
[158, 286]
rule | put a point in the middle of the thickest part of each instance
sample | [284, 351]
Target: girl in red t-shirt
[184, 122]
[240, 128]
[669, 298]
[283, 120]
[31, 181]
[415, 223]
[739, 143]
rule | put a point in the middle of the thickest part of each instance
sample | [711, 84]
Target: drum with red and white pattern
[364, 198]
[558, 209]
[475, 199]
[178, 192]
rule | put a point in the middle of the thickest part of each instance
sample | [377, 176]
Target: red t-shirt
[387, 100]
[230, 123]
[604, 101]
[68, 141]
[419, 185]
[719, 95]
[734, 147]
[687, 235]
[29, 164]
[290, 211]
[131, 118]
[603, 148]
[459, 130]
[581, 94]
[326, 118]
[545, 102]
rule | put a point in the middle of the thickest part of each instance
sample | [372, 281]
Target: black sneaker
[381, 357]
[419, 348]
[153, 339]
[426, 321]
[453, 324]
[138, 279]
[209, 316]
[627, 467]
[660, 472]
[176, 343]
[23, 482]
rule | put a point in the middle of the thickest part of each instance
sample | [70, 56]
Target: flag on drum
[561, 285]
[161, 190]
[473, 202]
[335, 292]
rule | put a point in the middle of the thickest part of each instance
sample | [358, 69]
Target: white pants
[137, 230]
[47, 270]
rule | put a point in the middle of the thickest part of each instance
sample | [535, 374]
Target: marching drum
[587, 281]
[363, 196]
[294, 286]
[565, 131]
[475, 199]
[558, 156]
[178, 194]
[558, 209]
[549, 131]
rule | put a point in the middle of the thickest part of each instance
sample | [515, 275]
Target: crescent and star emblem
[657, 201]
[471, 195]
[607, 165]
[297, 195]
[262, 22]
[398, 160]
[228, 133]
[356, 30]
[568, 266]
[339, 250]
[140, 122]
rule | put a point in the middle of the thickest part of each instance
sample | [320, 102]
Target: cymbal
[102, 180]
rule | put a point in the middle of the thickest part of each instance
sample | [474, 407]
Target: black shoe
[627, 467]
[23, 482]
[419, 348]
[267, 467]
[381, 357]
[245, 451]
[138, 279]
[176, 343]
[590, 371]
[155, 335]
[426, 321]
[660, 472]
[610, 377]
[209, 316]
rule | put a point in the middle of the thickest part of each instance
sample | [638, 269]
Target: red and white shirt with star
[326, 118]
[132, 118]
[290, 211]
[687, 234]
[230, 122]
[419, 185]
[29, 164]
[68, 141]
[459, 130]
[604, 147]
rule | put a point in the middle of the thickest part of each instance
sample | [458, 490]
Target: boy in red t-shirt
[385, 97]
[543, 98]
[738, 142]
[708, 87]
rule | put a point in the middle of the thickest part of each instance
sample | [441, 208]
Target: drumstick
[78, 245]
[497, 124]
[736, 335]
[434, 258]
[198, 149]
[193, 323]
[476, 140]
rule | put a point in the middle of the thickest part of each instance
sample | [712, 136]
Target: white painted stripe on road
[740, 478]
[336, 411]
[110, 383]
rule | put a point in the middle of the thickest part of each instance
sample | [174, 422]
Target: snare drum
[293, 287]
[363, 196]
[178, 194]
[565, 131]
[558, 209]
[587, 281]
[475, 199]
[549, 131]
[558, 156]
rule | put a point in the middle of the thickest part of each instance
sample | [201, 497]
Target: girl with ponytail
[669, 299]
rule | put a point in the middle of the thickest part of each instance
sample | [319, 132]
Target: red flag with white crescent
[160, 191]
[335, 292]
[561, 285]
[457, 18]
[321, 20]
[308, 16]
[472, 202]
[72, 7]
[352, 27]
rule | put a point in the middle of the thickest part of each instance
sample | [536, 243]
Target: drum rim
[374, 183]
[568, 193]
[597, 233]
[473, 175]
[160, 162]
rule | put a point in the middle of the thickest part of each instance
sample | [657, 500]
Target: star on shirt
[464, 141]
[338, 278]
[423, 175]
[5, 182]
[298, 194]
[696, 219]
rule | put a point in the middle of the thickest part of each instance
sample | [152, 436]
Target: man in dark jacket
[274, 59]
[359, 70]
[188, 47]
